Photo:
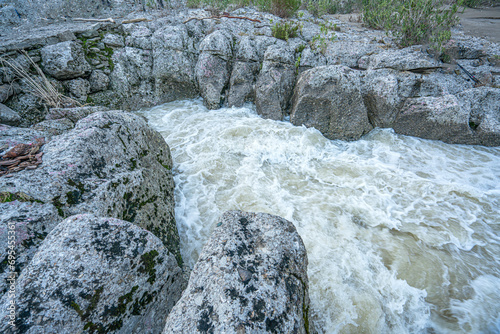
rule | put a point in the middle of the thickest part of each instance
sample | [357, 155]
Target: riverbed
[402, 234]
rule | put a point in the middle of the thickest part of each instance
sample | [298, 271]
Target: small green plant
[413, 21]
[285, 29]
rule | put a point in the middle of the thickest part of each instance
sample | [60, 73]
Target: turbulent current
[402, 234]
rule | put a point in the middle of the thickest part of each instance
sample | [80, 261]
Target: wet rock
[96, 274]
[439, 118]
[275, 82]
[329, 99]
[213, 67]
[99, 81]
[64, 60]
[251, 277]
[111, 164]
[174, 63]
[9, 116]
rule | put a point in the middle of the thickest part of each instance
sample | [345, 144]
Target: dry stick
[221, 16]
[135, 20]
[95, 20]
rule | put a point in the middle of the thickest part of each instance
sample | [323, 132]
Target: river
[402, 234]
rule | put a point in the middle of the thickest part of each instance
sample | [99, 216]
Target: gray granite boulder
[251, 277]
[384, 93]
[132, 78]
[64, 60]
[94, 274]
[329, 99]
[439, 118]
[73, 114]
[9, 116]
[275, 82]
[78, 89]
[174, 62]
[111, 164]
[213, 67]
[348, 53]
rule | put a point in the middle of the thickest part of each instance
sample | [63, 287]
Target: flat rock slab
[96, 275]
[251, 277]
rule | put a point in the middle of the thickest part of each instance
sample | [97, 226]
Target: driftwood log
[226, 15]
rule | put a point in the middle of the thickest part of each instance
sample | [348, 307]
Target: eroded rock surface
[251, 277]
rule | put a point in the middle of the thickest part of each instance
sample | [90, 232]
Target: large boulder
[111, 164]
[329, 99]
[439, 118]
[244, 73]
[251, 277]
[213, 67]
[174, 62]
[275, 82]
[132, 78]
[64, 60]
[101, 275]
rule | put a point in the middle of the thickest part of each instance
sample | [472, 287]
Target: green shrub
[322, 7]
[413, 21]
[285, 29]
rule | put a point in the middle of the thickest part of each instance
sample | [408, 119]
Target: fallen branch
[221, 16]
[95, 20]
[469, 75]
[135, 20]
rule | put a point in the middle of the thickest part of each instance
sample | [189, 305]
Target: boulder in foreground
[251, 277]
[97, 275]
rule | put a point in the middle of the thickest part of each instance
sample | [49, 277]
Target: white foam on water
[402, 234]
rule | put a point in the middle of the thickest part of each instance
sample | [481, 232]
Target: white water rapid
[402, 234]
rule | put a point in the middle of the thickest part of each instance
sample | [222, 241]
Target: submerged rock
[99, 275]
[329, 99]
[251, 277]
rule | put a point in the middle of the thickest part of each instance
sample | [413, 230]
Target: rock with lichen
[111, 164]
[251, 277]
[94, 274]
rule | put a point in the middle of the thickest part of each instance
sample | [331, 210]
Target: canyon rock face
[251, 277]
[96, 274]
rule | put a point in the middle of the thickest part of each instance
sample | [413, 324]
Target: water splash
[402, 234]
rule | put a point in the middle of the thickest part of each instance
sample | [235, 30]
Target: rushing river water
[402, 234]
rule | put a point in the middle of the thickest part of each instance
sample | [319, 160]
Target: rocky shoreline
[94, 220]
